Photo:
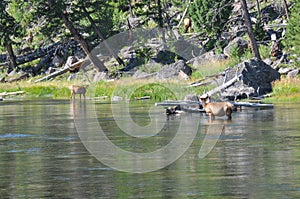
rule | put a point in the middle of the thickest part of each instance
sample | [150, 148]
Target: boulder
[192, 98]
[139, 74]
[255, 79]
[293, 73]
[173, 70]
[284, 70]
[100, 76]
[207, 57]
[57, 61]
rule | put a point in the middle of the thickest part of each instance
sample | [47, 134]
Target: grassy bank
[125, 88]
[285, 90]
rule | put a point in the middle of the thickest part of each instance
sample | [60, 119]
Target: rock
[139, 74]
[207, 57]
[238, 43]
[193, 98]
[72, 76]
[100, 76]
[165, 57]
[284, 70]
[57, 61]
[134, 21]
[256, 78]
[293, 73]
[173, 70]
[268, 61]
[183, 76]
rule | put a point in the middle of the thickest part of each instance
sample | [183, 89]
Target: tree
[292, 41]
[253, 44]
[9, 29]
[57, 14]
[210, 16]
[101, 37]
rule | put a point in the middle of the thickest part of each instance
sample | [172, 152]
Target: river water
[256, 155]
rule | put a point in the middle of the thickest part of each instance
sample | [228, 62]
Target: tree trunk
[12, 57]
[119, 60]
[258, 9]
[253, 44]
[93, 58]
[286, 8]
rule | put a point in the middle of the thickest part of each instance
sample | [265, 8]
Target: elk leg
[228, 113]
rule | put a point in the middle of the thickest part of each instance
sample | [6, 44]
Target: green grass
[125, 88]
[285, 90]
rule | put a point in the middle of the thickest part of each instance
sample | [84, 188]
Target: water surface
[41, 155]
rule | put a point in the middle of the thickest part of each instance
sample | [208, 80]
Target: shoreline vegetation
[284, 91]
[252, 41]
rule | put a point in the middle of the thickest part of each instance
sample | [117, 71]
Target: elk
[216, 108]
[187, 24]
[81, 90]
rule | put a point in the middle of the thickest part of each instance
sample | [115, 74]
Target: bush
[292, 42]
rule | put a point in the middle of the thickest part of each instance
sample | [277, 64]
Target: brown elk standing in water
[216, 108]
[81, 90]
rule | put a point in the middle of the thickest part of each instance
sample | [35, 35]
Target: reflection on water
[256, 156]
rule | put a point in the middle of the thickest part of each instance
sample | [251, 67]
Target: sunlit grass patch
[286, 90]
[209, 68]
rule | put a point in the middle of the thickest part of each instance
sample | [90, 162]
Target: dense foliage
[292, 41]
[211, 16]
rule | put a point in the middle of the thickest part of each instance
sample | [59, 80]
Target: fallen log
[4, 94]
[223, 86]
[183, 103]
[62, 71]
[252, 105]
[177, 102]
[23, 76]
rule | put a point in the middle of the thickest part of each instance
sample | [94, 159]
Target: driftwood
[206, 80]
[62, 71]
[252, 105]
[184, 104]
[177, 102]
[142, 98]
[11, 93]
[23, 76]
[184, 13]
[223, 86]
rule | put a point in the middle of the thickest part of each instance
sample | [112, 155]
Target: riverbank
[284, 90]
[123, 89]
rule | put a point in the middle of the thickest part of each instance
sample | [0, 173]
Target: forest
[40, 38]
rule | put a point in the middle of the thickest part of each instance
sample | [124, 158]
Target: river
[43, 155]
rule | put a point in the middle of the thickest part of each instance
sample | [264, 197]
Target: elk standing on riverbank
[187, 24]
[81, 90]
[216, 108]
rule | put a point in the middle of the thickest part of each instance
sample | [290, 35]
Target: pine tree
[210, 16]
[292, 41]
[9, 29]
